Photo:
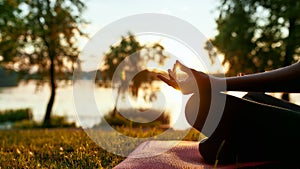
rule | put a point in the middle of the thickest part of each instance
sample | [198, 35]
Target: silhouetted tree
[258, 35]
[132, 57]
[45, 33]
[11, 28]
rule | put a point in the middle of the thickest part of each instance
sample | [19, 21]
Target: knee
[191, 112]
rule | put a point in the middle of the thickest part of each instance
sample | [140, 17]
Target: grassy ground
[65, 148]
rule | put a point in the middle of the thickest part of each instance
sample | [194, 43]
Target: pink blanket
[171, 154]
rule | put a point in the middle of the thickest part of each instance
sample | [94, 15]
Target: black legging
[254, 128]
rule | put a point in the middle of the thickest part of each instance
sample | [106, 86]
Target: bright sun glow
[170, 99]
[176, 51]
[175, 103]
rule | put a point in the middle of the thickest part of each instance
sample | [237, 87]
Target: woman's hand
[199, 85]
[194, 83]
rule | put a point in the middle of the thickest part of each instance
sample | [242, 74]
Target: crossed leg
[253, 131]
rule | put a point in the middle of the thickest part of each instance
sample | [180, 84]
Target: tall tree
[132, 57]
[10, 29]
[258, 35]
[47, 44]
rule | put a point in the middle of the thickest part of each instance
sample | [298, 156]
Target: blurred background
[41, 41]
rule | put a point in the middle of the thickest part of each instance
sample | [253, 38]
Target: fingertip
[182, 65]
[170, 72]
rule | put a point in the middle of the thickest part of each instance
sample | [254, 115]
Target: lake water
[26, 96]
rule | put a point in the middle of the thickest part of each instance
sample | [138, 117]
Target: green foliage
[34, 32]
[59, 122]
[125, 66]
[40, 37]
[132, 57]
[26, 124]
[15, 115]
[117, 120]
[10, 29]
[22, 119]
[258, 35]
[117, 54]
[56, 122]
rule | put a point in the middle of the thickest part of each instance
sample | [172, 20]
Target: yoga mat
[175, 155]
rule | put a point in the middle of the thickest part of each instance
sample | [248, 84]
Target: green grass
[65, 148]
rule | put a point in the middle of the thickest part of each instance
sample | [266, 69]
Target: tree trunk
[115, 111]
[47, 119]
